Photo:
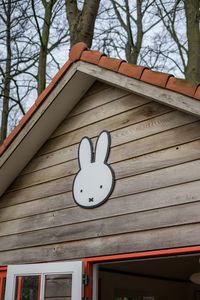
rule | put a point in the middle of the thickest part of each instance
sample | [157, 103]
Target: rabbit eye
[101, 186]
[81, 191]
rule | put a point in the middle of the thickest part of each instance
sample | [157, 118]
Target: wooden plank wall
[155, 203]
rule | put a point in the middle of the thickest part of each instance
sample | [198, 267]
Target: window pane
[58, 287]
[27, 288]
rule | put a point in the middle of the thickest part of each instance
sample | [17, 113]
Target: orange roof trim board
[80, 52]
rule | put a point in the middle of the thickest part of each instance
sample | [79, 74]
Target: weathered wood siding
[155, 203]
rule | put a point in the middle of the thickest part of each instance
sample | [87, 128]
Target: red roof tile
[81, 52]
[91, 56]
[110, 63]
[131, 70]
[197, 93]
[181, 86]
[155, 78]
[76, 51]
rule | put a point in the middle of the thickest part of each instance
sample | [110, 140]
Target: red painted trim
[1, 287]
[88, 270]
[19, 290]
[144, 254]
[3, 274]
[88, 262]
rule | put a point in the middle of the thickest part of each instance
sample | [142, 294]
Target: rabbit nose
[91, 199]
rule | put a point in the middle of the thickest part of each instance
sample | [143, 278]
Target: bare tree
[134, 18]
[181, 20]
[7, 74]
[161, 34]
[81, 21]
[43, 35]
[12, 28]
[31, 32]
[192, 12]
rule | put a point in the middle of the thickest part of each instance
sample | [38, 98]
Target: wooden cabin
[142, 242]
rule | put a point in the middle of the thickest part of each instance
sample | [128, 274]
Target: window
[44, 281]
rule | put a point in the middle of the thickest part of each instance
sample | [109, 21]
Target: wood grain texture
[155, 203]
[141, 202]
[159, 218]
[57, 207]
[164, 96]
[97, 87]
[93, 116]
[138, 130]
[127, 167]
[131, 133]
[125, 119]
[134, 184]
[102, 97]
[98, 113]
[163, 238]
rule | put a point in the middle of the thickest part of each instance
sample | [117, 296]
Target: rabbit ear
[85, 152]
[102, 147]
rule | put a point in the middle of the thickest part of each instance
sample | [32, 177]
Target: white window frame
[73, 268]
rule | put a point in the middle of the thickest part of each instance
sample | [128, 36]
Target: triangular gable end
[155, 158]
[70, 84]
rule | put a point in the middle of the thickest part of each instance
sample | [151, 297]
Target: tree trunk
[192, 12]
[7, 78]
[41, 76]
[132, 49]
[81, 22]
[137, 47]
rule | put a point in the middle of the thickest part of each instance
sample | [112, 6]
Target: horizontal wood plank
[131, 133]
[152, 180]
[122, 120]
[164, 96]
[71, 213]
[97, 87]
[121, 104]
[93, 116]
[99, 98]
[173, 195]
[170, 237]
[149, 220]
[157, 179]
[160, 159]
[155, 203]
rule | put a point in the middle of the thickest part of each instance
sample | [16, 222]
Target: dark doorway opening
[158, 278]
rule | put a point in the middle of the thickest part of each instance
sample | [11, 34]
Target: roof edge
[80, 52]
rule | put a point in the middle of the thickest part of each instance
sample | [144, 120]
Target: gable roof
[62, 94]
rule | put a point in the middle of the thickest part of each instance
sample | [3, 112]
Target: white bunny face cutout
[94, 182]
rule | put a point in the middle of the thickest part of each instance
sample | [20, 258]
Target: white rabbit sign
[94, 181]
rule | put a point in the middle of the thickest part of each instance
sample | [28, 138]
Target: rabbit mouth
[91, 199]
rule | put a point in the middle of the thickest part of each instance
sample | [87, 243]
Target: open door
[44, 281]
[150, 275]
